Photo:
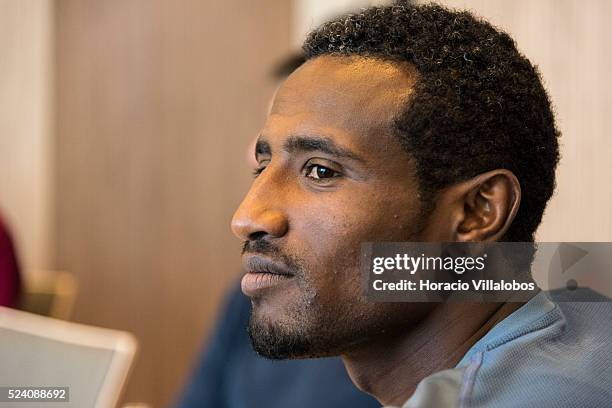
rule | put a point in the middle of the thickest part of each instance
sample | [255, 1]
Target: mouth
[263, 274]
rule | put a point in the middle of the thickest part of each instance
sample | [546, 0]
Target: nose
[259, 215]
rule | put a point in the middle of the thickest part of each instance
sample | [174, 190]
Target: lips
[263, 274]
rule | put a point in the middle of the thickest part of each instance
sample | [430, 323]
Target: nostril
[255, 236]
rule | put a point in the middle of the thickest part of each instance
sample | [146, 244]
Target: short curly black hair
[478, 103]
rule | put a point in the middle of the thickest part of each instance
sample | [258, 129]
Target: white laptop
[62, 364]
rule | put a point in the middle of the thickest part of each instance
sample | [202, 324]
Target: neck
[391, 368]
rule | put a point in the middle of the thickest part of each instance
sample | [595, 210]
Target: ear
[483, 208]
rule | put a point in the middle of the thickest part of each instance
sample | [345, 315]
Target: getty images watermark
[486, 272]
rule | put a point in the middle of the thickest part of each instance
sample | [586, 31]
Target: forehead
[342, 96]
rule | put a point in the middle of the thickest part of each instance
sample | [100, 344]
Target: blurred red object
[10, 281]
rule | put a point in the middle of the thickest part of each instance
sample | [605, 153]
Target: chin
[297, 334]
[273, 339]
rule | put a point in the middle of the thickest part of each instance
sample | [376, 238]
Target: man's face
[333, 175]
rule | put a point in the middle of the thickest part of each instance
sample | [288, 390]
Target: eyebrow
[308, 144]
[321, 144]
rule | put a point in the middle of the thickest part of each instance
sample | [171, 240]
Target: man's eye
[318, 172]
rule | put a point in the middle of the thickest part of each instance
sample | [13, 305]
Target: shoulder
[563, 363]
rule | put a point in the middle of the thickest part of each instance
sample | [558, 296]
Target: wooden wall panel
[156, 102]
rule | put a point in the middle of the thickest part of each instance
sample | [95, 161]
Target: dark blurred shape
[232, 375]
[10, 282]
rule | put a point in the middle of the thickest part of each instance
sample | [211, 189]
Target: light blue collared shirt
[545, 354]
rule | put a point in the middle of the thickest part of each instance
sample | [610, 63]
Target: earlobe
[490, 202]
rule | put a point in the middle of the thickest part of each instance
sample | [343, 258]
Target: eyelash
[256, 172]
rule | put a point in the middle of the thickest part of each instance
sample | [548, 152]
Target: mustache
[265, 247]
[261, 247]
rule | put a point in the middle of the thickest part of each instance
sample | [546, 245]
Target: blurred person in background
[9, 268]
[230, 374]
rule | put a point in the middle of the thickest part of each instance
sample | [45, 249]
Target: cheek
[330, 230]
[361, 216]
[328, 233]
